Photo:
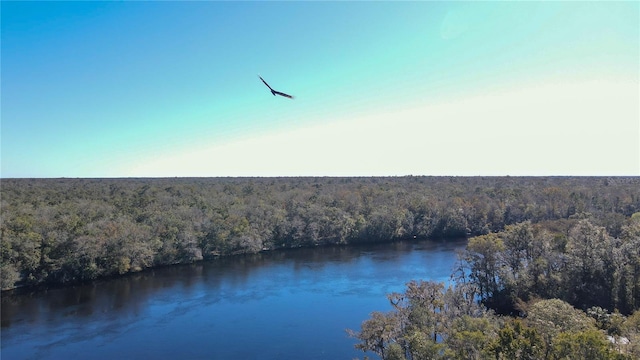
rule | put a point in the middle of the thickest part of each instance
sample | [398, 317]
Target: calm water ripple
[275, 305]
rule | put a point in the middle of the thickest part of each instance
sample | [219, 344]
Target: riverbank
[64, 231]
[272, 305]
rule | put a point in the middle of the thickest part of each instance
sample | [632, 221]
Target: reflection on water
[279, 304]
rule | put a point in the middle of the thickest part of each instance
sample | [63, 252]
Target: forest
[61, 231]
[562, 289]
[551, 269]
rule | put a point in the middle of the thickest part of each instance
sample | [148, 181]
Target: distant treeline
[68, 230]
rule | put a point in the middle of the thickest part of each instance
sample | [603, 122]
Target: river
[274, 305]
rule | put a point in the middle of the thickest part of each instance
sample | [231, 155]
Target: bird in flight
[275, 92]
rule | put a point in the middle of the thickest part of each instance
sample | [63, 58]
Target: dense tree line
[567, 289]
[429, 321]
[582, 265]
[67, 230]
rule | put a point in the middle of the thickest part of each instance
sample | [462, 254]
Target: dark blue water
[276, 305]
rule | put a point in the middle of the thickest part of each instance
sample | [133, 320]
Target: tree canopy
[68, 230]
[530, 291]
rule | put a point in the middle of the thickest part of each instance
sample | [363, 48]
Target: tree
[586, 344]
[517, 341]
[482, 257]
[517, 257]
[590, 266]
[43, 222]
[554, 316]
[631, 331]
[470, 337]
[421, 346]
[545, 267]
[627, 262]
[421, 307]
[378, 333]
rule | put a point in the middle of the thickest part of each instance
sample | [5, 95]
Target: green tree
[482, 257]
[554, 316]
[422, 347]
[378, 332]
[515, 340]
[421, 307]
[590, 266]
[470, 338]
[631, 332]
[517, 257]
[586, 344]
[627, 262]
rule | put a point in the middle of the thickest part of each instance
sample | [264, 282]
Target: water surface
[274, 305]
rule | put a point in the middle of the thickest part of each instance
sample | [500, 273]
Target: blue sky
[120, 89]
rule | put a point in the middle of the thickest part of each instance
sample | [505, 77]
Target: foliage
[587, 344]
[378, 333]
[421, 327]
[584, 266]
[68, 230]
[517, 341]
[470, 337]
[574, 241]
[535, 274]
[424, 318]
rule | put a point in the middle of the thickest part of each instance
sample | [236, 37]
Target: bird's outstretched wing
[274, 92]
[265, 82]
[283, 94]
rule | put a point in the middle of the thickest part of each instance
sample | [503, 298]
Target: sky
[171, 89]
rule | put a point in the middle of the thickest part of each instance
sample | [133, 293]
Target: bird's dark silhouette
[274, 92]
